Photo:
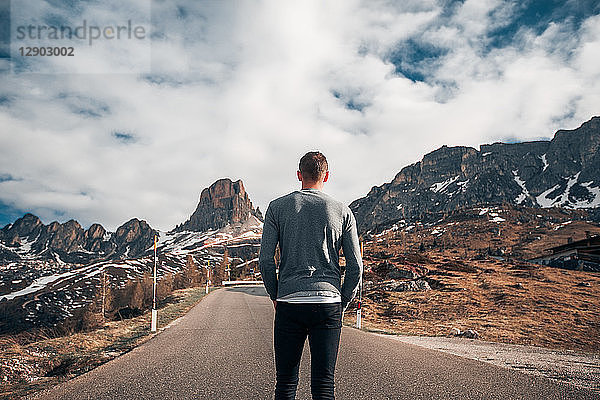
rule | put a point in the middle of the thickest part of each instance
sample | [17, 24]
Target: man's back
[310, 227]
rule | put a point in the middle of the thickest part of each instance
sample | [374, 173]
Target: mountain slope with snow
[562, 172]
[49, 272]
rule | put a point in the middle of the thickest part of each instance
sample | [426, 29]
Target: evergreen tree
[191, 274]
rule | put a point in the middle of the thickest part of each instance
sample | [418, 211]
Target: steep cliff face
[562, 172]
[224, 202]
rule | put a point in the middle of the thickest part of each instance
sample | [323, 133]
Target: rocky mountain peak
[95, 231]
[131, 230]
[94, 238]
[133, 238]
[222, 203]
[27, 225]
[66, 237]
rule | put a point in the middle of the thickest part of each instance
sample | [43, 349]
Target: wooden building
[581, 254]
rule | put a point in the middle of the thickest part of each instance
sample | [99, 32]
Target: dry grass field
[503, 298]
[31, 363]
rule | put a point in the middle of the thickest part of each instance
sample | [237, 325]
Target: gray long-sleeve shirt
[310, 227]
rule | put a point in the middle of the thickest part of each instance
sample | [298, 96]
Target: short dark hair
[313, 165]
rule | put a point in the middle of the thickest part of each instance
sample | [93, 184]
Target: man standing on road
[309, 297]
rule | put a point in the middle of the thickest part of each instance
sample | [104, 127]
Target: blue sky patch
[5, 100]
[90, 112]
[354, 104]
[57, 20]
[182, 13]
[162, 79]
[414, 59]
[5, 29]
[9, 214]
[124, 137]
[7, 177]
[83, 105]
[537, 15]
[71, 6]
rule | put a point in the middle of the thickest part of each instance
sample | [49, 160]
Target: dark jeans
[322, 324]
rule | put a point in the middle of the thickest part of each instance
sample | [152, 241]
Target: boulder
[399, 273]
[408, 286]
[470, 334]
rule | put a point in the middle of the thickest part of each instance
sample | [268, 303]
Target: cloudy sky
[241, 89]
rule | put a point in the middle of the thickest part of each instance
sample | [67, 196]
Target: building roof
[587, 243]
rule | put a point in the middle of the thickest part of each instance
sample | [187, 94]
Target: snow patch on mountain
[543, 158]
[543, 201]
[24, 250]
[38, 285]
[560, 200]
[525, 193]
[594, 202]
[562, 225]
[441, 186]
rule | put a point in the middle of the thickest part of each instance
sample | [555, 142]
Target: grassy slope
[551, 307]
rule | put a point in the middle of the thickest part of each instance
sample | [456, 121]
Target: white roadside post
[154, 312]
[359, 307]
[207, 276]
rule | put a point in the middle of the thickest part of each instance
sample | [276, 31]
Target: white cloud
[244, 91]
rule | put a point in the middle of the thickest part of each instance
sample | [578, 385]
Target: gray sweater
[310, 227]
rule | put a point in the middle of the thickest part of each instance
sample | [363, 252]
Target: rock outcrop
[562, 172]
[224, 202]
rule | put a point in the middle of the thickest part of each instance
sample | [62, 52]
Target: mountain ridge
[29, 237]
[544, 173]
[559, 172]
[53, 272]
[223, 203]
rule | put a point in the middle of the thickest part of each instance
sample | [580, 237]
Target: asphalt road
[222, 349]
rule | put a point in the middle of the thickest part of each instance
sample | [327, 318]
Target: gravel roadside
[579, 369]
